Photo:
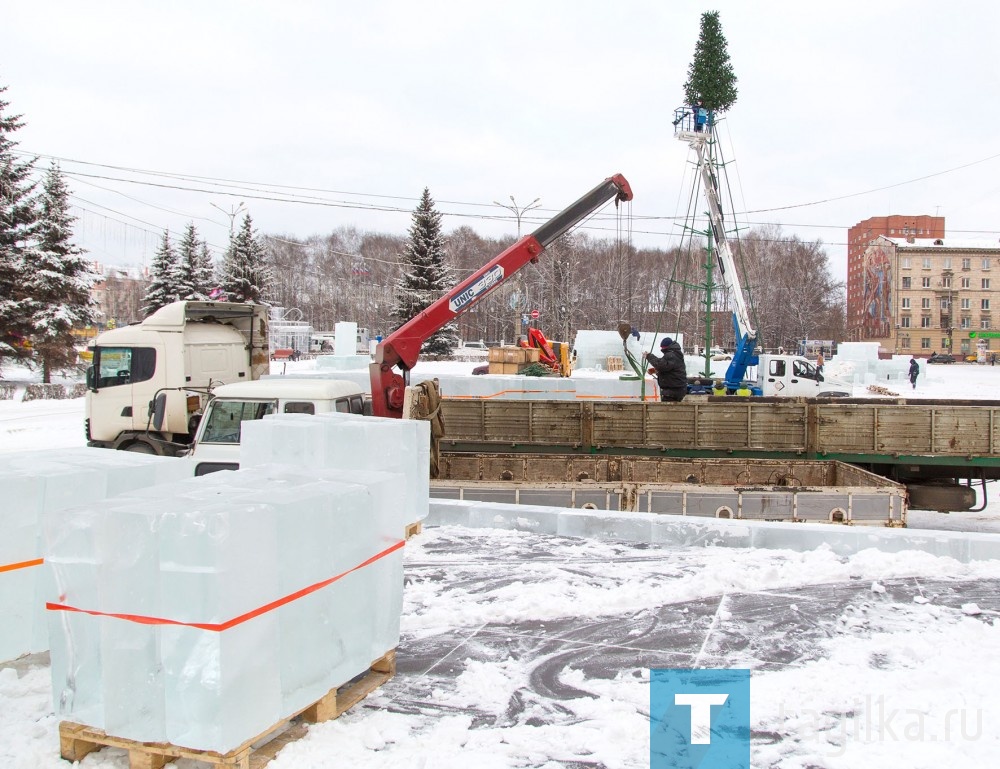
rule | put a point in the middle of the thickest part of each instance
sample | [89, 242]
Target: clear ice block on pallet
[338, 441]
[38, 481]
[213, 608]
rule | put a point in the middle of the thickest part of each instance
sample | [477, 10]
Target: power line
[142, 202]
[268, 187]
[312, 200]
[294, 196]
[119, 213]
[877, 189]
[158, 232]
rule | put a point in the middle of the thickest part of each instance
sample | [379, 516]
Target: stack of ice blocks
[594, 346]
[347, 443]
[37, 482]
[242, 597]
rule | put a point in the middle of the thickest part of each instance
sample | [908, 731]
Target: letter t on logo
[701, 714]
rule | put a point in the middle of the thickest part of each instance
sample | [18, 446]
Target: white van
[217, 443]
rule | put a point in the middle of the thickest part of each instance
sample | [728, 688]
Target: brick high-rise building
[917, 295]
[858, 239]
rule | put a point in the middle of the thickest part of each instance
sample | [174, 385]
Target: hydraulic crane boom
[746, 335]
[401, 348]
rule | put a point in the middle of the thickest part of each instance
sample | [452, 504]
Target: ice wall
[40, 482]
[345, 339]
[858, 363]
[682, 531]
[593, 347]
[345, 363]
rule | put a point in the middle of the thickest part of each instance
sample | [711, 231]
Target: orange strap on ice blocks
[220, 626]
[22, 564]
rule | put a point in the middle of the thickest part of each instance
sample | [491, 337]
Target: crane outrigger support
[401, 348]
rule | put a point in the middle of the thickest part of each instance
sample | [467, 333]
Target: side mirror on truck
[158, 410]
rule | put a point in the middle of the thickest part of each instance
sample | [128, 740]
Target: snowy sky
[862, 110]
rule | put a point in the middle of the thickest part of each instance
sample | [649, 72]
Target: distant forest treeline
[579, 282]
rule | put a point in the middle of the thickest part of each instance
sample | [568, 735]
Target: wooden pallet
[615, 363]
[879, 390]
[414, 528]
[76, 740]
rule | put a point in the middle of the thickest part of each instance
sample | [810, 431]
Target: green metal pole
[709, 290]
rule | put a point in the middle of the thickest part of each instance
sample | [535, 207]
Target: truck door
[774, 382]
[114, 407]
[804, 379]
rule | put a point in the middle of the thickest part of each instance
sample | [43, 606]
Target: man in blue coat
[700, 116]
[671, 373]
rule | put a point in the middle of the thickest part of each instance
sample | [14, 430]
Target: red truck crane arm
[401, 348]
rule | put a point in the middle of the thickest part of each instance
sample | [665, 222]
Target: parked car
[941, 357]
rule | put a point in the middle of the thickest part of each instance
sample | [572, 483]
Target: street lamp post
[518, 212]
[236, 211]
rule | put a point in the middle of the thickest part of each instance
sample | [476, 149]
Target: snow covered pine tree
[425, 277]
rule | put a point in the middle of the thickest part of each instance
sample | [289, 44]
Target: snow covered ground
[527, 650]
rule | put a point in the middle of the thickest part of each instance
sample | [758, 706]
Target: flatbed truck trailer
[938, 449]
[749, 489]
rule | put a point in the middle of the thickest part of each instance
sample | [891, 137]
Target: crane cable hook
[625, 329]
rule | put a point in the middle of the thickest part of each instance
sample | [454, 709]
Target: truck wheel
[140, 448]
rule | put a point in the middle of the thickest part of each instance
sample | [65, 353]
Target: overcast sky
[846, 110]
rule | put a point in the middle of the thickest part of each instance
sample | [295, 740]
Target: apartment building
[922, 295]
[858, 239]
[118, 295]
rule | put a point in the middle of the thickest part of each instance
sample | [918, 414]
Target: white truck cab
[177, 355]
[792, 376]
[217, 443]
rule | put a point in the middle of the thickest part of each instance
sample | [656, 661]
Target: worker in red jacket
[671, 373]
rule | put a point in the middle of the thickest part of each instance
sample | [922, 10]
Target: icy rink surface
[522, 649]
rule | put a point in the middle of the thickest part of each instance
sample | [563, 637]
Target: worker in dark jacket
[671, 373]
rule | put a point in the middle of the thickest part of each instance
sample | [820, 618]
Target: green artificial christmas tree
[710, 76]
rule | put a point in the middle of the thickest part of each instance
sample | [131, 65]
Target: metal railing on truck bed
[963, 434]
[773, 490]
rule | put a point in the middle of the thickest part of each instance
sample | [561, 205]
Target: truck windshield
[801, 368]
[115, 366]
[225, 419]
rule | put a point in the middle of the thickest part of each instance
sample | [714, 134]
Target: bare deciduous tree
[578, 283]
